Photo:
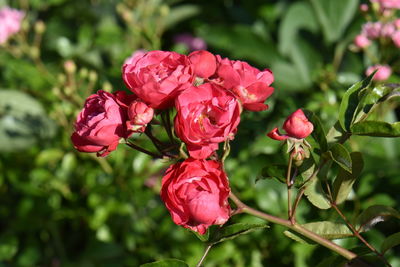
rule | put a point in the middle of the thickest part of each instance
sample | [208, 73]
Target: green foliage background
[59, 207]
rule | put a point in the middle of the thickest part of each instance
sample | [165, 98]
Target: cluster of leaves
[59, 206]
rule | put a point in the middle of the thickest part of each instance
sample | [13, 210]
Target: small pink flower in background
[364, 7]
[139, 116]
[192, 43]
[10, 22]
[362, 41]
[372, 30]
[396, 38]
[296, 126]
[196, 193]
[388, 30]
[388, 4]
[383, 73]
[136, 54]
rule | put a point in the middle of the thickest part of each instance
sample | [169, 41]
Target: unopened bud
[34, 52]
[61, 78]
[40, 27]
[107, 86]
[92, 76]
[69, 66]
[83, 73]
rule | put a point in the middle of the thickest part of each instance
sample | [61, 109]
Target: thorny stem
[289, 190]
[294, 227]
[350, 225]
[138, 148]
[204, 256]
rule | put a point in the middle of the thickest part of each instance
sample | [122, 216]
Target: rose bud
[383, 73]
[157, 77]
[362, 41]
[206, 115]
[101, 124]
[296, 126]
[204, 63]
[139, 115]
[196, 193]
[249, 84]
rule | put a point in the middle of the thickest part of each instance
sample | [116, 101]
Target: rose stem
[295, 227]
[138, 148]
[204, 255]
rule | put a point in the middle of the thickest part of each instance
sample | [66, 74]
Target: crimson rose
[249, 84]
[101, 123]
[206, 115]
[196, 194]
[157, 77]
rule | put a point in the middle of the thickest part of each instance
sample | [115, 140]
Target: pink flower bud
[139, 116]
[388, 30]
[296, 126]
[364, 8]
[204, 63]
[383, 73]
[362, 41]
[372, 30]
[396, 38]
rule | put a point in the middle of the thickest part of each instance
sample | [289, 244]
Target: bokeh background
[59, 207]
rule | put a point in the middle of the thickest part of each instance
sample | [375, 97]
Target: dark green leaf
[166, 263]
[232, 231]
[318, 134]
[373, 215]
[334, 16]
[326, 229]
[316, 195]
[376, 128]
[277, 171]
[369, 97]
[8, 247]
[336, 133]
[391, 241]
[341, 156]
[345, 180]
[350, 102]
[23, 121]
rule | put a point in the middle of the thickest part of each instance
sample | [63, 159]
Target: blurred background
[59, 207]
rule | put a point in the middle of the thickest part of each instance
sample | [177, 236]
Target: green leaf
[376, 128]
[350, 102]
[316, 195]
[8, 247]
[341, 156]
[180, 13]
[326, 229]
[373, 215]
[166, 263]
[205, 237]
[292, 23]
[335, 133]
[277, 171]
[334, 16]
[391, 241]
[318, 133]
[23, 121]
[345, 180]
[232, 231]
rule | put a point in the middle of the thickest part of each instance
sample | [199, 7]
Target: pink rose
[101, 123]
[10, 22]
[157, 77]
[206, 115]
[139, 116]
[397, 23]
[296, 126]
[204, 63]
[372, 30]
[249, 84]
[388, 4]
[388, 29]
[196, 194]
[383, 73]
[362, 41]
[136, 54]
[396, 38]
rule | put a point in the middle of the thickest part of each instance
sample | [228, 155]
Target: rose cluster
[10, 22]
[208, 93]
